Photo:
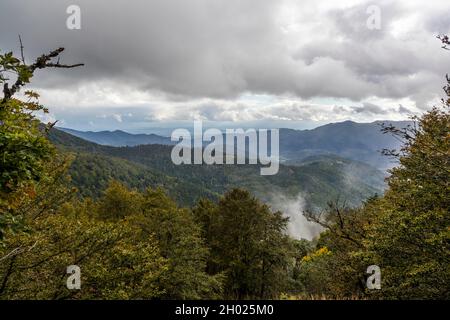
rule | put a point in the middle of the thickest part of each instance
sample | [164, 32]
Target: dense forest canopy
[137, 242]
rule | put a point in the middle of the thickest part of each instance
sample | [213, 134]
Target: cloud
[293, 207]
[168, 52]
[118, 117]
[370, 108]
[403, 110]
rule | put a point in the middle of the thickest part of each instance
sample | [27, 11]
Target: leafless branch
[13, 252]
[334, 220]
[18, 250]
[42, 62]
[21, 50]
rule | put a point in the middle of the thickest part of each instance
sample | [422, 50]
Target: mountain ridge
[352, 140]
[318, 181]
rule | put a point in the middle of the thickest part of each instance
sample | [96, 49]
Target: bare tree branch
[42, 62]
[21, 50]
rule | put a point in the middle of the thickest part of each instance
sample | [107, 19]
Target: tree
[248, 243]
[407, 231]
[180, 242]
[118, 202]
[114, 264]
[411, 238]
[333, 268]
[23, 143]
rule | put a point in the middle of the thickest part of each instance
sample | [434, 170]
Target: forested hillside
[118, 138]
[319, 179]
[139, 227]
[355, 141]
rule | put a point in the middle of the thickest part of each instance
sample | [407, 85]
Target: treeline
[141, 245]
[150, 165]
[128, 244]
[406, 232]
[131, 244]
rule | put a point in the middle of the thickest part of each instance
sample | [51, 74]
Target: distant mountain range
[350, 140]
[316, 178]
[118, 138]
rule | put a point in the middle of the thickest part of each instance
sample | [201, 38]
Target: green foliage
[319, 179]
[406, 232]
[248, 243]
[118, 202]
[24, 147]
[139, 244]
[129, 245]
[28, 201]
[113, 264]
[92, 173]
[180, 241]
[411, 238]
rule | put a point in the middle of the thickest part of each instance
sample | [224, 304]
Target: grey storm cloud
[403, 110]
[191, 48]
[370, 108]
[225, 48]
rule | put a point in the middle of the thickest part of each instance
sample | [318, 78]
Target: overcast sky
[273, 61]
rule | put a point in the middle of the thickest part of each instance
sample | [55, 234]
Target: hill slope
[118, 138]
[356, 141]
[318, 179]
[351, 140]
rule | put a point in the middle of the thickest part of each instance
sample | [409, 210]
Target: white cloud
[230, 60]
[118, 117]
